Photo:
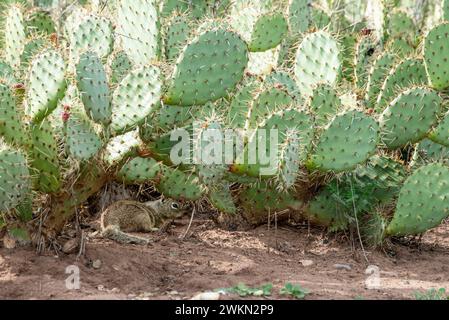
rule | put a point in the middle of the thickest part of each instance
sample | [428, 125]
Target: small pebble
[96, 264]
[342, 266]
[306, 263]
[211, 296]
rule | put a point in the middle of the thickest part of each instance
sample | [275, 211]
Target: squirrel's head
[172, 209]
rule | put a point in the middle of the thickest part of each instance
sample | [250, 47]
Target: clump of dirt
[208, 258]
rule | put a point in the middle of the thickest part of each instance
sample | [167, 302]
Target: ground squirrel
[132, 216]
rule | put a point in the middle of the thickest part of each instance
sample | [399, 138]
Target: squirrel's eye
[175, 205]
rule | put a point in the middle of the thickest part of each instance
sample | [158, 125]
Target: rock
[96, 264]
[70, 246]
[207, 296]
[148, 294]
[342, 266]
[306, 263]
[173, 293]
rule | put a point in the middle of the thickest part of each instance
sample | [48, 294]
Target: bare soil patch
[210, 258]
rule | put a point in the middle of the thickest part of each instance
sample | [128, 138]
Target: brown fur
[132, 216]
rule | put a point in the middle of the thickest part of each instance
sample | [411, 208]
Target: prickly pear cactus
[441, 133]
[198, 78]
[409, 72]
[317, 60]
[136, 96]
[324, 104]
[176, 184]
[93, 85]
[377, 74]
[15, 36]
[299, 16]
[120, 65]
[11, 126]
[45, 162]
[268, 32]
[139, 170]
[93, 34]
[81, 139]
[331, 105]
[409, 117]
[435, 56]
[14, 177]
[46, 84]
[138, 29]
[423, 201]
[349, 139]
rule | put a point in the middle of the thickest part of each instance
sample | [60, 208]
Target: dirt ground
[210, 258]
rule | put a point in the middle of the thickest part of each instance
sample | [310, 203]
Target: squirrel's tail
[114, 233]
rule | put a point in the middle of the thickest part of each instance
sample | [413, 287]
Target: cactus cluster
[94, 91]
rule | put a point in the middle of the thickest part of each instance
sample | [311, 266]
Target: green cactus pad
[240, 105]
[364, 54]
[168, 6]
[46, 84]
[319, 18]
[136, 96]
[208, 67]
[400, 24]
[7, 73]
[348, 43]
[179, 185]
[299, 124]
[299, 16]
[377, 74]
[405, 74]
[92, 83]
[120, 147]
[423, 201]
[120, 65]
[291, 156]
[317, 60]
[436, 46]
[326, 211]
[402, 47]
[262, 199]
[441, 133]
[428, 151]
[138, 29]
[324, 104]
[14, 178]
[139, 170]
[409, 117]
[178, 31]
[32, 47]
[92, 34]
[221, 198]
[170, 117]
[45, 162]
[40, 22]
[15, 36]
[11, 127]
[267, 102]
[211, 167]
[268, 32]
[81, 139]
[350, 139]
[281, 79]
